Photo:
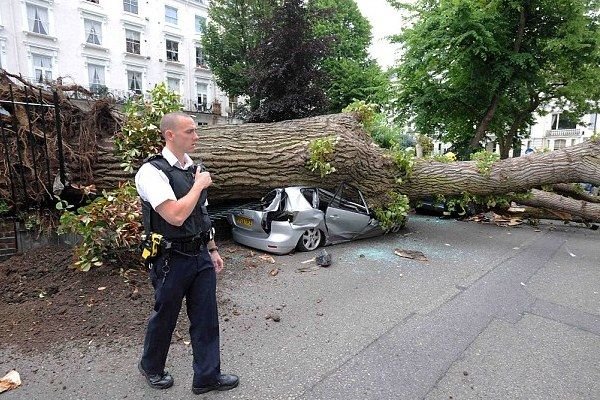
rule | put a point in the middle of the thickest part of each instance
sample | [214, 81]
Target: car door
[347, 215]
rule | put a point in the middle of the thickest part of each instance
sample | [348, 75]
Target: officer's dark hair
[169, 121]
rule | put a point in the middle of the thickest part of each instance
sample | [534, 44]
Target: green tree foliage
[352, 75]
[474, 67]
[238, 29]
[286, 81]
[140, 135]
[231, 32]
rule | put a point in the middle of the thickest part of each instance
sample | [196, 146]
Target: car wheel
[310, 240]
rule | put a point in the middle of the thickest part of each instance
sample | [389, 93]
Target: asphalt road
[495, 313]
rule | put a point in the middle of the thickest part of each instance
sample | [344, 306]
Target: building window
[132, 41]
[42, 67]
[96, 77]
[170, 15]
[130, 6]
[200, 22]
[200, 57]
[134, 81]
[233, 104]
[202, 96]
[3, 53]
[173, 84]
[37, 18]
[172, 50]
[93, 31]
[560, 144]
[560, 121]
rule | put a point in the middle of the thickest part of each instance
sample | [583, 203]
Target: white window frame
[176, 80]
[32, 25]
[94, 86]
[3, 53]
[555, 122]
[198, 49]
[131, 74]
[559, 144]
[90, 24]
[132, 5]
[199, 21]
[172, 53]
[170, 19]
[139, 44]
[44, 70]
[201, 97]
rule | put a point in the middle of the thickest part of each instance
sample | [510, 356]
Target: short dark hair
[169, 120]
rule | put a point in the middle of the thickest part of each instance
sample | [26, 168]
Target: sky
[385, 20]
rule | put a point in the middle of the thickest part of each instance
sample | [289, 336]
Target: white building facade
[555, 131]
[124, 47]
[552, 131]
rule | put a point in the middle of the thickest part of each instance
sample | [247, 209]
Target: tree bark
[482, 128]
[588, 212]
[570, 191]
[580, 163]
[248, 160]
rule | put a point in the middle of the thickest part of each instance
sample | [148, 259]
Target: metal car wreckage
[304, 218]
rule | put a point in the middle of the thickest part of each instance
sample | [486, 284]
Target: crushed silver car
[304, 218]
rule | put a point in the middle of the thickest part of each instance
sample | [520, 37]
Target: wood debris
[412, 254]
[10, 381]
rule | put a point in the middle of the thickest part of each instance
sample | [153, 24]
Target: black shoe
[224, 382]
[158, 381]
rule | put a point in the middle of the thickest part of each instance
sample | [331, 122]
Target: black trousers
[192, 276]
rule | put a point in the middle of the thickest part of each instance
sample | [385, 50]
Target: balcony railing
[563, 133]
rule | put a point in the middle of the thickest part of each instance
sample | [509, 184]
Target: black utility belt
[191, 244]
[188, 247]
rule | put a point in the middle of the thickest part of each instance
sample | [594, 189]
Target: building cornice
[40, 45]
[133, 24]
[92, 13]
[36, 36]
[132, 56]
[93, 48]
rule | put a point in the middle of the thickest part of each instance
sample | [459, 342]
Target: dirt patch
[44, 302]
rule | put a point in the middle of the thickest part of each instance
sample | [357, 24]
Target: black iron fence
[32, 146]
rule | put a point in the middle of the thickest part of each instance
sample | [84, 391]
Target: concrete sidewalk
[496, 313]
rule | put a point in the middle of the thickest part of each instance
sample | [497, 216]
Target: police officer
[173, 193]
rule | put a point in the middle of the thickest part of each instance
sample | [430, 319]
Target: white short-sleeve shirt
[153, 185]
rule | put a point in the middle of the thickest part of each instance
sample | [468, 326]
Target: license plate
[243, 221]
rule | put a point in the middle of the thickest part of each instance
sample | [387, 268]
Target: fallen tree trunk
[586, 211]
[543, 213]
[580, 163]
[571, 190]
[250, 159]
[247, 160]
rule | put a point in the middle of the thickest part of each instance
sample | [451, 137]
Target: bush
[140, 136]
[107, 225]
